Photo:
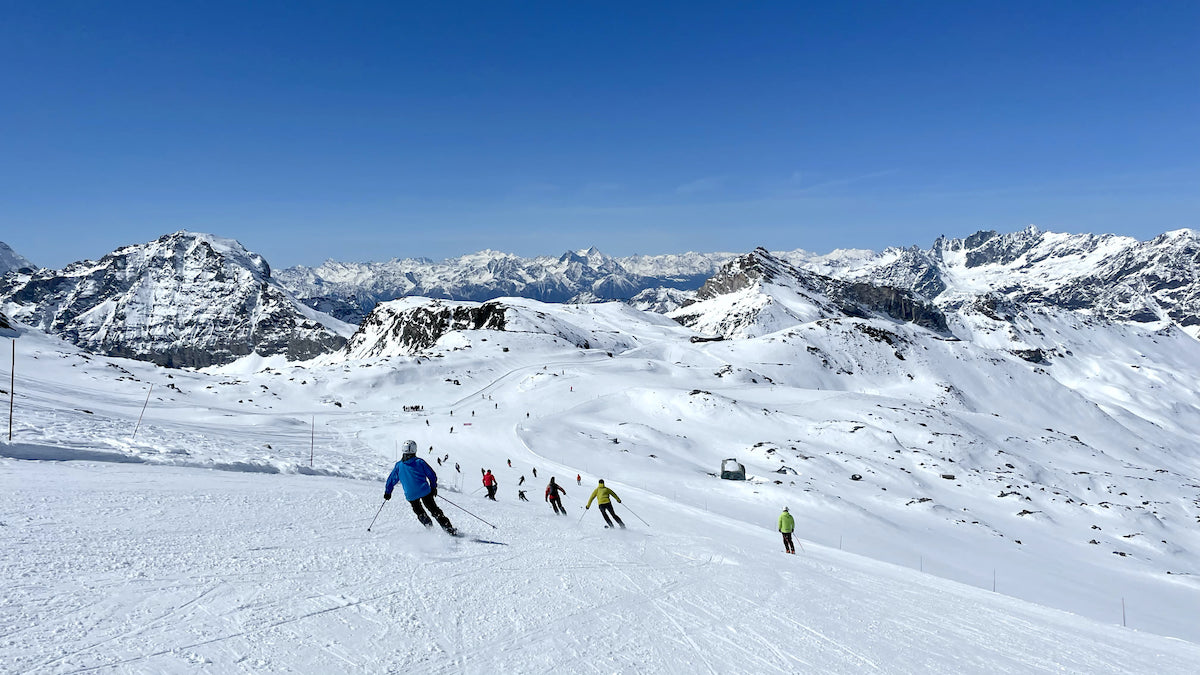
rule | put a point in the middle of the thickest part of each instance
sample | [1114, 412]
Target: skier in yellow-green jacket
[787, 525]
[604, 497]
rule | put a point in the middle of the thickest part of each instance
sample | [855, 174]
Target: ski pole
[376, 515]
[636, 516]
[469, 513]
[581, 517]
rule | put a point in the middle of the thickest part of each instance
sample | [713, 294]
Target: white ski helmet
[410, 449]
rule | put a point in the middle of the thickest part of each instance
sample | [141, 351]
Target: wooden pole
[139, 423]
[11, 387]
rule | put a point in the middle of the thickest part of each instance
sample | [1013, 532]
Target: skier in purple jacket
[420, 487]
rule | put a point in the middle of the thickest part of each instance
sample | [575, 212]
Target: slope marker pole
[12, 385]
[139, 422]
[312, 444]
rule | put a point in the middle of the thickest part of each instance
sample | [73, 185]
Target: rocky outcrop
[184, 300]
[759, 293]
[409, 327]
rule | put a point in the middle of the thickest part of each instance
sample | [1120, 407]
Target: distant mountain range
[194, 300]
[349, 291]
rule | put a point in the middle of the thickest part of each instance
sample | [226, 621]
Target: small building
[731, 469]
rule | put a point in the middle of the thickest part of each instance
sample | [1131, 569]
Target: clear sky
[366, 131]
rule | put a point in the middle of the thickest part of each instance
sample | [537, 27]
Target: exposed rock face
[349, 291]
[403, 327]
[758, 293]
[184, 300]
[1107, 276]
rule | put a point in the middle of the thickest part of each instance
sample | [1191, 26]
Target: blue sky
[366, 131]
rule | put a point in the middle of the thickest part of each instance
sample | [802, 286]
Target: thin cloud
[707, 184]
[796, 186]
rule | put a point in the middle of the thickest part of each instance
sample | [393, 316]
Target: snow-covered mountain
[759, 293]
[412, 326]
[350, 291]
[183, 300]
[11, 260]
[1107, 276]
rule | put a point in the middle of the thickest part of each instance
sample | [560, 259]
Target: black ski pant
[787, 542]
[606, 510]
[556, 502]
[427, 502]
[492, 492]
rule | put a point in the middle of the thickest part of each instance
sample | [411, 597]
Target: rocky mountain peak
[184, 299]
[10, 260]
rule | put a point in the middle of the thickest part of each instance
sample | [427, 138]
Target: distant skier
[603, 497]
[510, 463]
[552, 496]
[489, 481]
[456, 468]
[522, 481]
[420, 487]
[535, 472]
[578, 479]
[521, 495]
[787, 525]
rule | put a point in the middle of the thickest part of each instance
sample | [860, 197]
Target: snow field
[140, 569]
[255, 567]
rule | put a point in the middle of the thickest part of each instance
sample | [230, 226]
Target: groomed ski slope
[130, 568]
[202, 540]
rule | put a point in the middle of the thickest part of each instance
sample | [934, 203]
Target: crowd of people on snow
[419, 482]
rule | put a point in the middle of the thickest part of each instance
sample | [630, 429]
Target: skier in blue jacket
[420, 487]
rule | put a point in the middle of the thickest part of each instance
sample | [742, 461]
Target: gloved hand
[433, 492]
[387, 495]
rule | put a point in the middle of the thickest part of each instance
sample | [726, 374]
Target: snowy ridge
[414, 325]
[759, 293]
[183, 300]
[350, 290]
[10, 260]
[1111, 276]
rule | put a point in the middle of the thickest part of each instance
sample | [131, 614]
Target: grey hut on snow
[732, 470]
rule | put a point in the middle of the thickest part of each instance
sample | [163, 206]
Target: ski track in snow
[131, 568]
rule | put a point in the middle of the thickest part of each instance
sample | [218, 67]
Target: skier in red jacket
[552, 492]
[489, 481]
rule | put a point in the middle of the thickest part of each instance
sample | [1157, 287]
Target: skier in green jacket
[787, 525]
[604, 497]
